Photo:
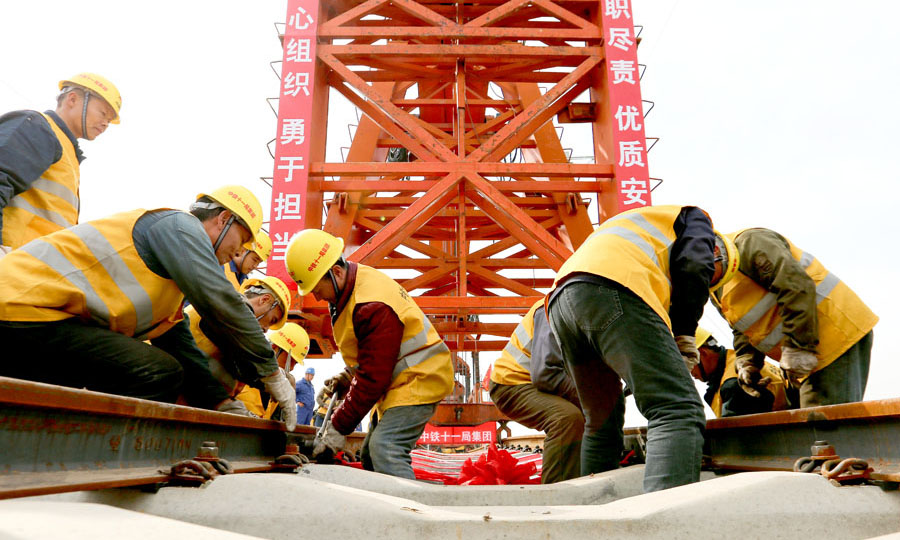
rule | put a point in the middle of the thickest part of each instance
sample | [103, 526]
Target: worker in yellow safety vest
[40, 158]
[396, 360]
[291, 345]
[269, 300]
[85, 299]
[239, 268]
[529, 384]
[625, 305]
[724, 393]
[783, 303]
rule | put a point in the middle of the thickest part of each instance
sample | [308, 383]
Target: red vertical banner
[623, 76]
[291, 173]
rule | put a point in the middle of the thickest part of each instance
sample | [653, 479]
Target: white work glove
[235, 406]
[330, 439]
[797, 363]
[280, 388]
[4, 250]
[749, 377]
[687, 346]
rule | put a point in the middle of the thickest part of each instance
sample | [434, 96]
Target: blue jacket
[306, 394]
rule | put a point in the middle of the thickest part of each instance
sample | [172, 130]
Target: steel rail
[55, 439]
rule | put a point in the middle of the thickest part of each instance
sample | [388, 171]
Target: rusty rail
[55, 439]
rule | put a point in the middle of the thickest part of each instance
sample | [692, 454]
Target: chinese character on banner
[634, 191]
[631, 154]
[476, 436]
[616, 9]
[292, 165]
[287, 206]
[620, 38]
[279, 246]
[623, 71]
[627, 117]
[292, 131]
[466, 436]
[300, 20]
[294, 83]
[486, 436]
[299, 50]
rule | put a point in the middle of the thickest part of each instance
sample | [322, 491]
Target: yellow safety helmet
[98, 85]
[293, 339]
[278, 288]
[701, 336]
[241, 202]
[731, 260]
[310, 255]
[262, 246]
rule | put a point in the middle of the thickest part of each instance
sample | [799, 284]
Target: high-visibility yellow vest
[253, 401]
[231, 276]
[203, 343]
[776, 386]
[514, 365]
[91, 271]
[843, 318]
[632, 249]
[423, 373]
[50, 204]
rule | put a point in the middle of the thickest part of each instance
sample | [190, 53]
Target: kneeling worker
[727, 395]
[529, 384]
[401, 365]
[85, 299]
[291, 345]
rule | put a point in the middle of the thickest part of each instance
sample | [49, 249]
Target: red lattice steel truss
[456, 181]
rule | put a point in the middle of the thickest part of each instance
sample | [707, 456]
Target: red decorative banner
[623, 76]
[457, 435]
[291, 173]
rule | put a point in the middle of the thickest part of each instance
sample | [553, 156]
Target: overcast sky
[770, 113]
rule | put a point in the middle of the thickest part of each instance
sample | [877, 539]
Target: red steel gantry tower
[456, 181]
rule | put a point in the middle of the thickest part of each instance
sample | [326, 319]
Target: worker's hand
[687, 346]
[235, 406]
[797, 363]
[331, 440]
[749, 377]
[340, 383]
[279, 388]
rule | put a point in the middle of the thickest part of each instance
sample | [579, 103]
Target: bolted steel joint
[208, 450]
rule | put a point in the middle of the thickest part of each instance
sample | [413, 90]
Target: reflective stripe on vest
[49, 215]
[518, 354]
[411, 355]
[55, 188]
[118, 271]
[770, 300]
[632, 237]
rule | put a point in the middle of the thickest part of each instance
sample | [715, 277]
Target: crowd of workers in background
[159, 304]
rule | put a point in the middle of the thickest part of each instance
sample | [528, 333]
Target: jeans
[606, 332]
[392, 437]
[69, 353]
[842, 381]
[559, 419]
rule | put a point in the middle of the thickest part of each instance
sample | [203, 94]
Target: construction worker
[396, 361]
[529, 384]
[306, 396]
[626, 305]
[84, 299]
[269, 299]
[725, 394]
[291, 345]
[784, 304]
[40, 158]
[239, 268]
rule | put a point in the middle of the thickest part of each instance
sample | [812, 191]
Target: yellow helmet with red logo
[262, 246]
[310, 255]
[701, 336]
[293, 339]
[97, 85]
[729, 257]
[277, 288]
[243, 204]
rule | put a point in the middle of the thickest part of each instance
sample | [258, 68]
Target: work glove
[797, 363]
[749, 377]
[330, 440]
[235, 406]
[339, 383]
[279, 388]
[687, 346]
